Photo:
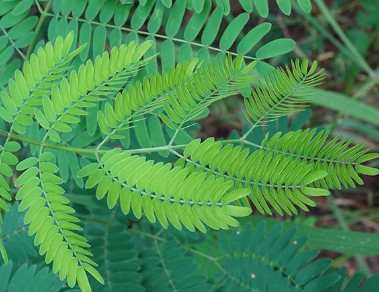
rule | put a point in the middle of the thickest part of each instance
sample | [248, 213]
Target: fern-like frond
[7, 159]
[183, 94]
[107, 74]
[273, 262]
[261, 6]
[24, 278]
[136, 23]
[340, 162]
[16, 33]
[113, 248]
[25, 94]
[15, 243]
[143, 98]
[143, 258]
[354, 283]
[207, 85]
[168, 266]
[286, 92]
[164, 192]
[278, 179]
[30, 87]
[50, 219]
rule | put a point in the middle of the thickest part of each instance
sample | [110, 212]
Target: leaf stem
[82, 150]
[148, 34]
[13, 44]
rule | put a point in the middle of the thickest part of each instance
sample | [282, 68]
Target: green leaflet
[99, 38]
[85, 37]
[285, 6]
[168, 54]
[121, 14]
[247, 5]
[275, 48]
[155, 20]
[212, 26]
[197, 20]
[253, 37]
[107, 11]
[156, 133]
[262, 7]
[174, 20]
[305, 5]
[142, 133]
[9, 103]
[141, 14]
[232, 31]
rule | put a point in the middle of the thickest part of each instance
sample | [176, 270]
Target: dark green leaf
[305, 5]
[11, 20]
[99, 37]
[93, 9]
[142, 134]
[212, 27]
[108, 10]
[168, 55]
[198, 5]
[196, 22]
[85, 37]
[121, 14]
[247, 5]
[6, 55]
[275, 48]
[22, 7]
[155, 20]
[285, 6]
[141, 14]
[175, 18]
[262, 7]
[253, 37]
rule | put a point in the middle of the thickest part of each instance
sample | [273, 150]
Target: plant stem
[192, 43]
[82, 150]
[13, 44]
[171, 148]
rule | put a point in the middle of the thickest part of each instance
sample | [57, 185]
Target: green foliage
[79, 122]
[27, 278]
[17, 245]
[287, 92]
[103, 22]
[275, 261]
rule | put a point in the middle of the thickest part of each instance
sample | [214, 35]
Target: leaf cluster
[75, 127]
